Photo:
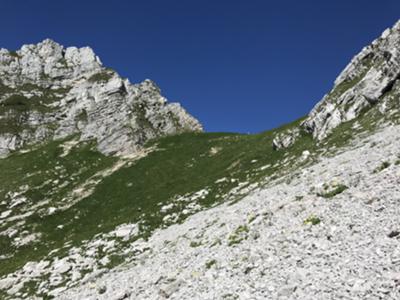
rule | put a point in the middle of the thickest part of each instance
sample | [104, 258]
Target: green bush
[210, 263]
[313, 220]
[238, 235]
[14, 54]
[384, 165]
[103, 76]
[332, 193]
[16, 102]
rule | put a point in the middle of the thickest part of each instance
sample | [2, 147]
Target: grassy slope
[43, 170]
[182, 164]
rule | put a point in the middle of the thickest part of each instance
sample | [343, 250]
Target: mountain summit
[50, 92]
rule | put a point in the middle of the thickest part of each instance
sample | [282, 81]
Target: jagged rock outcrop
[369, 79]
[365, 81]
[50, 92]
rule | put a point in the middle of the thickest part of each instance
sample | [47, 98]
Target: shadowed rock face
[367, 80]
[50, 92]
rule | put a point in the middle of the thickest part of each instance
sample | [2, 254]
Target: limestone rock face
[286, 139]
[369, 77]
[50, 92]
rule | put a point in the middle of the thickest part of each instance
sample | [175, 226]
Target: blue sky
[242, 66]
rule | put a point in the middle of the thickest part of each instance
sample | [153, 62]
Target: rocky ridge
[51, 92]
[368, 79]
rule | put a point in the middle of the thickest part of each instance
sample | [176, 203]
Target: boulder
[285, 139]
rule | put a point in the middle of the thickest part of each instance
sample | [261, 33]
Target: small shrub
[242, 229]
[20, 104]
[313, 220]
[115, 260]
[102, 289]
[393, 234]
[101, 77]
[216, 242]
[16, 101]
[252, 218]
[210, 263]
[14, 54]
[332, 193]
[238, 235]
[195, 244]
[83, 117]
[230, 296]
[382, 167]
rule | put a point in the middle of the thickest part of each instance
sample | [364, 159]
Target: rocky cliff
[370, 79]
[50, 92]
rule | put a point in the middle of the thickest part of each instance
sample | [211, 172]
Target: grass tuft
[384, 165]
[312, 220]
[335, 191]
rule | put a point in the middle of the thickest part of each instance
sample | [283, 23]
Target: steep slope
[317, 216]
[83, 210]
[51, 92]
[368, 80]
[327, 231]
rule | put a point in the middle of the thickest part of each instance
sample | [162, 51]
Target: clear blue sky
[243, 66]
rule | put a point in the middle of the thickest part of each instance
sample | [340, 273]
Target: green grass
[17, 102]
[38, 169]
[335, 191]
[181, 165]
[195, 244]
[337, 91]
[238, 235]
[312, 220]
[102, 76]
[83, 117]
[4, 89]
[347, 84]
[16, 108]
[210, 263]
[384, 165]
[5, 244]
[14, 54]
